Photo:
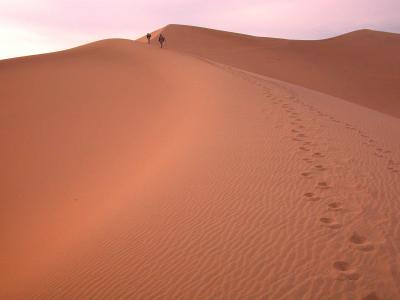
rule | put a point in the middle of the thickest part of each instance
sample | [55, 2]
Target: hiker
[148, 37]
[161, 39]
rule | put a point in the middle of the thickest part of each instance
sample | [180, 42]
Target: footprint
[323, 185]
[357, 239]
[329, 222]
[304, 149]
[335, 206]
[317, 154]
[306, 174]
[326, 220]
[320, 167]
[345, 271]
[308, 160]
[311, 197]
[361, 242]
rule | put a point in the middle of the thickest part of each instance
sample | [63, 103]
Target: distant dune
[131, 172]
[362, 66]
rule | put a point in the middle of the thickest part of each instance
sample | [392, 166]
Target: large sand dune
[362, 66]
[131, 172]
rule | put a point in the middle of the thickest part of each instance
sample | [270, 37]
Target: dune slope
[130, 172]
[81, 129]
[361, 67]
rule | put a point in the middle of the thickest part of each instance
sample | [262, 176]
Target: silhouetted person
[161, 40]
[148, 37]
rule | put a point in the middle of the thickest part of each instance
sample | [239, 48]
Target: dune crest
[362, 66]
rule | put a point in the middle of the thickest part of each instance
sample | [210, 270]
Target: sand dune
[130, 172]
[361, 67]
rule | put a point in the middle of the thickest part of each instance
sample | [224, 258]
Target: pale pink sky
[36, 26]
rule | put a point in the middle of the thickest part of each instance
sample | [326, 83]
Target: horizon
[39, 26]
[153, 30]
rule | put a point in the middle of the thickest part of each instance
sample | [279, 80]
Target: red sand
[130, 172]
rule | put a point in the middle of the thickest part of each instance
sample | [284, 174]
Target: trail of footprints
[343, 269]
[380, 152]
[373, 146]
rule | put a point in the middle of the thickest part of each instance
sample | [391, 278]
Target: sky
[38, 26]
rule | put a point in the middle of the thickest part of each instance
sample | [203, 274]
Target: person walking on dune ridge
[161, 40]
[148, 38]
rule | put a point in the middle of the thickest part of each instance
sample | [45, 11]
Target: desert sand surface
[131, 172]
[361, 66]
